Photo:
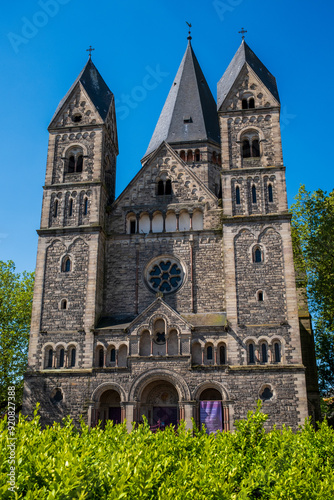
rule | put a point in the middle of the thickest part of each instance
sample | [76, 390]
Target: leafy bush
[63, 463]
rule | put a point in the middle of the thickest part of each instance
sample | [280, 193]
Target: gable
[246, 84]
[165, 164]
[159, 310]
[77, 104]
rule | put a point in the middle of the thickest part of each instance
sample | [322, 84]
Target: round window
[164, 275]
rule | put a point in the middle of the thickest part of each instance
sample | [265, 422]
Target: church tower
[261, 300]
[79, 186]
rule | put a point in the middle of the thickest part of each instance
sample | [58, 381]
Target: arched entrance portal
[109, 407]
[159, 404]
[211, 411]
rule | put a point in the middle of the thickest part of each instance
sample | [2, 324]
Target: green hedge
[61, 462]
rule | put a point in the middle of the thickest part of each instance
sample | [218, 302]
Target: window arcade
[74, 160]
[248, 103]
[164, 187]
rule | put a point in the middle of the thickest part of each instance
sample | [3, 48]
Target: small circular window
[164, 275]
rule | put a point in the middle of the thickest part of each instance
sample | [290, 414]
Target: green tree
[312, 236]
[16, 292]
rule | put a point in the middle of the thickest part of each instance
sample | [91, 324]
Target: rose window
[164, 275]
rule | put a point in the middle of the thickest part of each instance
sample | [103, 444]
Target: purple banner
[211, 416]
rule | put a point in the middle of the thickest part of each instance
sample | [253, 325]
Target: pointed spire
[189, 113]
[245, 55]
[96, 88]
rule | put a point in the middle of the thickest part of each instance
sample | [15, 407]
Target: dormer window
[187, 119]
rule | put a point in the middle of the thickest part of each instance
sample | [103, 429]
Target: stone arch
[154, 374]
[211, 385]
[75, 241]
[106, 386]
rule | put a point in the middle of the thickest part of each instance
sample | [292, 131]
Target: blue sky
[43, 46]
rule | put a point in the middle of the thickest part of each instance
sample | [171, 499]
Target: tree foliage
[16, 292]
[312, 236]
[63, 463]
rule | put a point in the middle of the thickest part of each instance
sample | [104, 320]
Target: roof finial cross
[190, 26]
[242, 32]
[90, 51]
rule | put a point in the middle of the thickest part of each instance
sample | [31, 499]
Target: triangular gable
[95, 89]
[247, 70]
[245, 55]
[147, 163]
[156, 307]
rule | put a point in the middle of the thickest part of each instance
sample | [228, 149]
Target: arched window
[61, 358]
[264, 353]
[183, 155]
[250, 144]
[190, 157]
[253, 194]
[101, 357]
[251, 354]
[246, 151]
[257, 256]
[237, 195]
[160, 188]
[74, 160]
[73, 355]
[55, 208]
[132, 226]
[113, 355]
[63, 304]
[85, 210]
[50, 358]
[260, 296]
[209, 352]
[66, 265]
[197, 155]
[168, 189]
[244, 104]
[270, 193]
[70, 208]
[222, 355]
[251, 103]
[255, 148]
[214, 157]
[277, 352]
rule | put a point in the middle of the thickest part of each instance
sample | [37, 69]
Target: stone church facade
[180, 295]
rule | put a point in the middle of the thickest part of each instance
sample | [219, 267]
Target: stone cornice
[264, 218]
[60, 231]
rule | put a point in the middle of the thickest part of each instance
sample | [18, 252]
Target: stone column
[188, 409]
[129, 408]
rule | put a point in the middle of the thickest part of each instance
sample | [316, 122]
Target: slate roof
[244, 55]
[96, 88]
[189, 98]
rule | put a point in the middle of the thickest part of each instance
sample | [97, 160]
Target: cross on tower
[242, 32]
[90, 51]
